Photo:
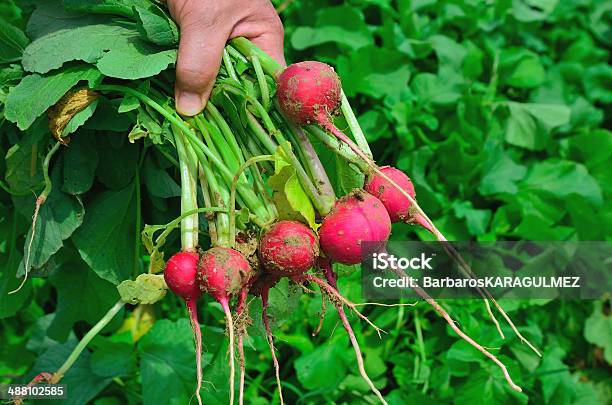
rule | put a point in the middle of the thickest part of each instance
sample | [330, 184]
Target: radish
[181, 277]
[309, 92]
[356, 218]
[223, 273]
[288, 248]
[399, 207]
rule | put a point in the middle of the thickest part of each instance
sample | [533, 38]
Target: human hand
[206, 26]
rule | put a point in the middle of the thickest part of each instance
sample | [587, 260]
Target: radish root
[270, 338]
[197, 335]
[242, 323]
[230, 328]
[459, 332]
[338, 297]
[331, 279]
[321, 316]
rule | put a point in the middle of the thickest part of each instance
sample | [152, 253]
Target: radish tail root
[242, 324]
[331, 279]
[461, 334]
[467, 271]
[230, 328]
[266, 322]
[358, 355]
[321, 316]
[242, 368]
[197, 335]
[419, 219]
[333, 293]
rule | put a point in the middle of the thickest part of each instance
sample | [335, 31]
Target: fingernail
[188, 103]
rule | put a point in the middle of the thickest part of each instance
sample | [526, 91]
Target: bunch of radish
[226, 156]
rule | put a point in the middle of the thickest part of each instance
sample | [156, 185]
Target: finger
[266, 31]
[199, 57]
[272, 44]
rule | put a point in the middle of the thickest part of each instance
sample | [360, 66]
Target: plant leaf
[36, 93]
[106, 239]
[117, 50]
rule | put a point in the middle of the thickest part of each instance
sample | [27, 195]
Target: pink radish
[223, 273]
[309, 92]
[288, 248]
[356, 218]
[181, 277]
[399, 207]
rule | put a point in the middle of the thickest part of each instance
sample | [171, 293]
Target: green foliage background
[498, 111]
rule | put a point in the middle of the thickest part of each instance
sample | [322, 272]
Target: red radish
[224, 273]
[397, 205]
[288, 248]
[356, 218]
[181, 276]
[311, 93]
[308, 91]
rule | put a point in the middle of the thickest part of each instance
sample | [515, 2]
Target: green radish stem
[216, 116]
[200, 148]
[354, 126]
[230, 327]
[260, 133]
[259, 181]
[40, 200]
[232, 207]
[331, 280]
[218, 195]
[189, 201]
[233, 52]
[270, 339]
[313, 163]
[261, 80]
[206, 194]
[169, 227]
[229, 67]
[337, 147]
[320, 204]
[248, 49]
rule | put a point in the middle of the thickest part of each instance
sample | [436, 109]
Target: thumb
[199, 57]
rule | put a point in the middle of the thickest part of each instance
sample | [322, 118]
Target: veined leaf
[36, 93]
[116, 49]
